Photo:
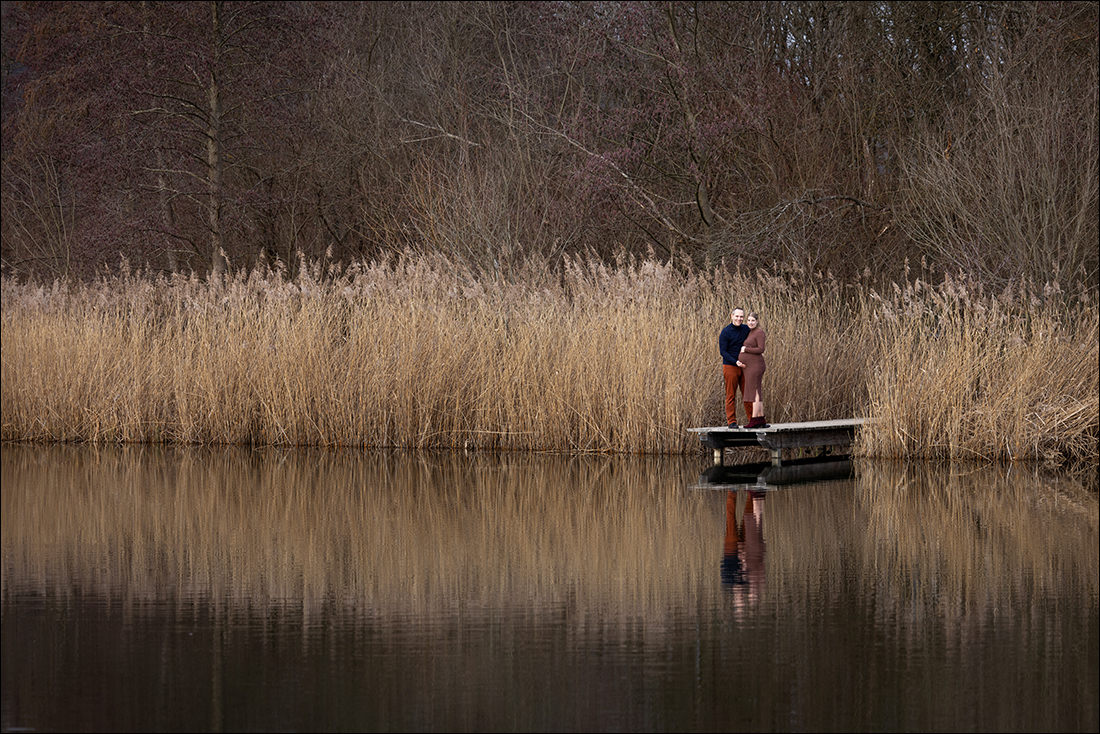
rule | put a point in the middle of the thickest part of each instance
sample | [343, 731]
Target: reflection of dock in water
[764, 475]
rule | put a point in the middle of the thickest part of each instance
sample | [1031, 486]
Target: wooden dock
[779, 436]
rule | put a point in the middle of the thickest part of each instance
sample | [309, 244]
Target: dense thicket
[833, 136]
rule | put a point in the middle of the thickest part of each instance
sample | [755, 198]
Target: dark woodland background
[852, 138]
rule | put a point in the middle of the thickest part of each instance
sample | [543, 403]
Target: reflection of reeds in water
[418, 352]
[379, 534]
[1034, 530]
[954, 543]
[369, 533]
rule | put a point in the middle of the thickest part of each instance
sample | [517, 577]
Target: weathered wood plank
[779, 436]
[787, 427]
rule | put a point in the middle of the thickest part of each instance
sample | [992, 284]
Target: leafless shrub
[1006, 186]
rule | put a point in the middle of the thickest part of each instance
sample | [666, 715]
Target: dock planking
[780, 436]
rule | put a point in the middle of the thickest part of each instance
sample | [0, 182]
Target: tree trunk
[214, 148]
[167, 211]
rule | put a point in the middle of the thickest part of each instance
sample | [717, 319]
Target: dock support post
[777, 457]
[717, 457]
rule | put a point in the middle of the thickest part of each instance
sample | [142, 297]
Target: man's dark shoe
[732, 425]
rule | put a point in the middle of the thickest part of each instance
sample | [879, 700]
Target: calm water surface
[238, 590]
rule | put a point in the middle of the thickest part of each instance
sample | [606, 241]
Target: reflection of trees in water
[398, 534]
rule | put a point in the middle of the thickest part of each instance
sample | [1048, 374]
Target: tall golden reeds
[962, 373]
[417, 351]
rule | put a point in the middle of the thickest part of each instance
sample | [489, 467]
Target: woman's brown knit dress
[753, 359]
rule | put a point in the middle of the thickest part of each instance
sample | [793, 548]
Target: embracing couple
[742, 346]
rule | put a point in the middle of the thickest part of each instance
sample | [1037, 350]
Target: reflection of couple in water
[743, 550]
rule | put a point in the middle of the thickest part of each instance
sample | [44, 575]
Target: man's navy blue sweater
[730, 341]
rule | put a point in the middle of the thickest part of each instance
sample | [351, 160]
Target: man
[730, 342]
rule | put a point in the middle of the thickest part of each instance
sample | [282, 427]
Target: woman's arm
[751, 343]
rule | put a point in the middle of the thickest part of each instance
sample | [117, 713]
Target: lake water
[183, 589]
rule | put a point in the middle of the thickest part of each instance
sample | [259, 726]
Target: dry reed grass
[417, 351]
[966, 374]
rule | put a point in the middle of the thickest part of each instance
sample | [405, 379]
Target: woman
[752, 370]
